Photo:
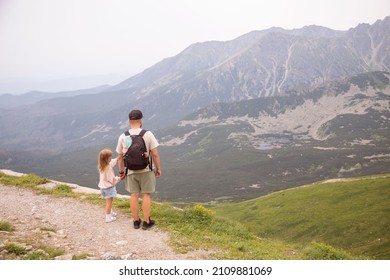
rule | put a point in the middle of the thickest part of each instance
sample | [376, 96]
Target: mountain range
[268, 110]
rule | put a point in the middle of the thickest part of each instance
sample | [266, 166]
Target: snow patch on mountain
[199, 121]
[98, 129]
[178, 140]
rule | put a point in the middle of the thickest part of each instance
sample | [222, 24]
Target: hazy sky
[43, 41]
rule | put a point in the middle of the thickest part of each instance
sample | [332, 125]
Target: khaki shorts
[144, 182]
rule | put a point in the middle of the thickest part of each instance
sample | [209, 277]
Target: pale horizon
[57, 45]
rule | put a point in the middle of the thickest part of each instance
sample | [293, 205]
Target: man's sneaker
[137, 223]
[110, 218]
[149, 225]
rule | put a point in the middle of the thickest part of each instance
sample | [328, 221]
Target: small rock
[64, 257]
[108, 256]
[28, 247]
[127, 257]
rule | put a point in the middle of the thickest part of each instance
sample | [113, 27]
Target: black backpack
[134, 158]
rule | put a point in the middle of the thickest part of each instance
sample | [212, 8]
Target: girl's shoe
[110, 218]
[114, 214]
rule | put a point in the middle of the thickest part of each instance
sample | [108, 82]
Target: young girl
[107, 181]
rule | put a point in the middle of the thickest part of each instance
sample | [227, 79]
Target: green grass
[81, 256]
[29, 180]
[353, 216]
[321, 251]
[52, 252]
[40, 255]
[197, 228]
[15, 249]
[61, 190]
[6, 226]
[45, 253]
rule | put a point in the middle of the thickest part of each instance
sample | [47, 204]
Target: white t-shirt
[124, 143]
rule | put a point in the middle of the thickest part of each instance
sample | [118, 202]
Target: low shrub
[198, 214]
[322, 251]
[6, 226]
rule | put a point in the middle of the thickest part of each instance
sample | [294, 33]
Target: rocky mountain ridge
[303, 116]
[264, 63]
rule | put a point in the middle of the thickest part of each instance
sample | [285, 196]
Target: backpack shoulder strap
[142, 133]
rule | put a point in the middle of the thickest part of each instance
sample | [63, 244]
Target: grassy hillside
[351, 214]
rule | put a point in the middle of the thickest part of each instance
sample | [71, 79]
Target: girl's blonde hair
[104, 159]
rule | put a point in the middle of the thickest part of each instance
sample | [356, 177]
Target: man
[139, 181]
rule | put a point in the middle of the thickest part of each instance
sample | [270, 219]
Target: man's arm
[121, 167]
[156, 160]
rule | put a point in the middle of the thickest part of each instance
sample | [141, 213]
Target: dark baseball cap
[135, 115]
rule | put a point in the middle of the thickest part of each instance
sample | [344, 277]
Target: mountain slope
[264, 63]
[11, 101]
[351, 214]
[262, 145]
